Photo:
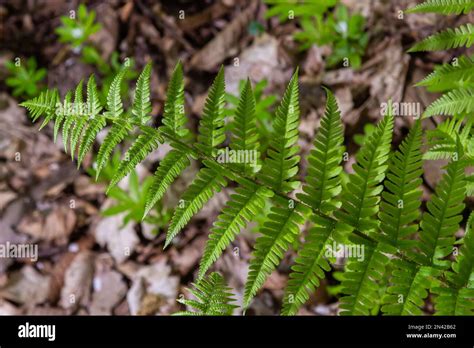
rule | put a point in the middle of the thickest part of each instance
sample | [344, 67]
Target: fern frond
[244, 130]
[74, 118]
[320, 192]
[458, 299]
[96, 121]
[211, 127]
[450, 75]
[362, 277]
[116, 134]
[281, 164]
[44, 104]
[443, 215]
[141, 107]
[360, 199]
[213, 297]
[470, 185]
[174, 163]
[146, 142]
[446, 7]
[409, 288]
[443, 140]
[310, 265]
[462, 36]
[323, 182]
[174, 120]
[248, 201]
[114, 100]
[401, 199]
[279, 230]
[206, 183]
[61, 114]
[76, 135]
[458, 101]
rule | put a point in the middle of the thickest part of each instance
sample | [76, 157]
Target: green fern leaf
[443, 140]
[401, 199]
[174, 163]
[362, 278]
[443, 215]
[174, 120]
[360, 199]
[279, 230]
[462, 36]
[206, 183]
[450, 76]
[76, 134]
[211, 127]
[458, 299]
[213, 297]
[458, 101]
[320, 192]
[145, 143]
[281, 164]
[116, 134]
[114, 100]
[97, 122]
[141, 108]
[242, 206]
[443, 6]
[61, 115]
[76, 114]
[310, 265]
[399, 211]
[409, 288]
[44, 104]
[244, 131]
[323, 182]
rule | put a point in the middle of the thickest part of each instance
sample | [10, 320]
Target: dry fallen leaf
[57, 225]
[156, 280]
[6, 308]
[109, 289]
[5, 198]
[259, 61]
[220, 47]
[77, 281]
[120, 240]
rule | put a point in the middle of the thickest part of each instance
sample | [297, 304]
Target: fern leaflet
[213, 297]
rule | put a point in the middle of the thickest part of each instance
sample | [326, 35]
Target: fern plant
[403, 252]
[320, 25]
[212, 295]
[454, 79]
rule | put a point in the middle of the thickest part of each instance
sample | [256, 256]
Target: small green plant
[343, 32]
[212, 297]
[133, 203]
[359, 139]
[291, 9]
[25, 79]
[77, 30]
